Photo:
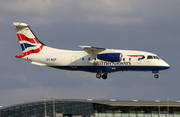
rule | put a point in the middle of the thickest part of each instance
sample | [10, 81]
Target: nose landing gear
[155, 73]
[156, 76]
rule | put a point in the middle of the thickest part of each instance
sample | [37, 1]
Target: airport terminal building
[93, 108]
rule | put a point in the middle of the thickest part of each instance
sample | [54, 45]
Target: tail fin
[27, 39]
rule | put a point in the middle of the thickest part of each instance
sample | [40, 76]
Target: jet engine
[112, 57]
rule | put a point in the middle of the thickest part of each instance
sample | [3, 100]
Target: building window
[82, 59]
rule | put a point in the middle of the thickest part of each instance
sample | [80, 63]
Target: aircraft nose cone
[166, 65]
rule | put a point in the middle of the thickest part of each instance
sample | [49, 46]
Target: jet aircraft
[93, 59]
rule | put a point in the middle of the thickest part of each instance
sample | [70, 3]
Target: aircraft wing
[92, 50]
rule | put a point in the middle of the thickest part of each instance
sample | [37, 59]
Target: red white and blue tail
[28, 41]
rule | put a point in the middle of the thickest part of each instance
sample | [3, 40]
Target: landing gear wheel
[104, 76]
[156, 76]
[98, 75]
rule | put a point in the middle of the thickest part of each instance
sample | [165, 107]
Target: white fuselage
[92, 59]
[80, 60]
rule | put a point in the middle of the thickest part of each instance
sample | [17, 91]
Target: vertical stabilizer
[27, 39]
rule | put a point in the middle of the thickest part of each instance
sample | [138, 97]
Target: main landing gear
[99, 75]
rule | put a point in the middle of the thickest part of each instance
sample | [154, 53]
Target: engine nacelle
[112, 57]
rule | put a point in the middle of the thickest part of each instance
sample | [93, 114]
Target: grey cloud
[112, 12]
[26, 7]
[114, 20]
[35, 93]
[2, 19]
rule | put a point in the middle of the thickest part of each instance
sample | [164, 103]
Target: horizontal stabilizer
[19, 24]
[36, 63]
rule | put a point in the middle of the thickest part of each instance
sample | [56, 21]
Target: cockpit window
[156, 57]
[152, 57]
[149, 57]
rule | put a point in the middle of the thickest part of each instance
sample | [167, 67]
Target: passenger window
[94, 58]
[149, 57]
[82, 59]
[123, 59]
[129, 58]
[89, 59]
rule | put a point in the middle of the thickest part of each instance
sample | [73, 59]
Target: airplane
[93, 59]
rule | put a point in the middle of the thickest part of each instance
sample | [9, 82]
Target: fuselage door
[139, 60]
[74, 62]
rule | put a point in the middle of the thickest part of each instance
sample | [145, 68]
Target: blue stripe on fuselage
[112, 68]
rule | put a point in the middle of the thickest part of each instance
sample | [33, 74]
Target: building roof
[111, 102]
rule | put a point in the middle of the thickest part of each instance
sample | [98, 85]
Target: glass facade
[87, 109]
[66, 108]
[135, 111]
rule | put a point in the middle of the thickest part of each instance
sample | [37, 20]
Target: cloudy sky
[147, 25]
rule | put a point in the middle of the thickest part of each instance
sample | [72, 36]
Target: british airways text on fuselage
[106, 63]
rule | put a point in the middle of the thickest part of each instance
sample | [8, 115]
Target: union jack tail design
[27, 39]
